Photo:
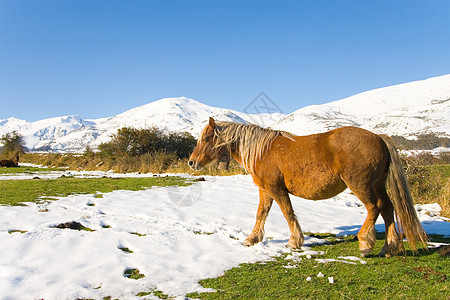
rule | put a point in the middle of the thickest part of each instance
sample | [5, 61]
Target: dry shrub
[429, 183]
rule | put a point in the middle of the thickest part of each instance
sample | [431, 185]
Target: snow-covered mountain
[407, 109]
[72, 134]
[41, 134]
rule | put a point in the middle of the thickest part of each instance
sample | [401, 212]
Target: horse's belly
[316, 189]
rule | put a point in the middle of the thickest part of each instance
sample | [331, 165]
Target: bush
[429, 179]
[136, 142]
[12, 143]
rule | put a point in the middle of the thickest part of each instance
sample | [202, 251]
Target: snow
[408, 109]
[173, 245]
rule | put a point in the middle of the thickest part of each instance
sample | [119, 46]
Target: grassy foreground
[14, 192]
[425, 276]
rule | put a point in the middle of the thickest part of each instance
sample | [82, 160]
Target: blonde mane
[251, 140]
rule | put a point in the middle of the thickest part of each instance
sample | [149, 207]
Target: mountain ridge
[408, 109]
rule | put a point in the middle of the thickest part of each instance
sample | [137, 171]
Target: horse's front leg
[283, 200]
[265, 203]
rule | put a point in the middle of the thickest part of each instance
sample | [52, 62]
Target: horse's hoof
[388, 253]
[293, 246]
[250, 242]
[365, 252]
[391, 250]
[247, 243]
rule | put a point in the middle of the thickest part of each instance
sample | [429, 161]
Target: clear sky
[98, 58]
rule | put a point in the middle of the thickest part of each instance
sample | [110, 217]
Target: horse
[316, 167]
[14, 162]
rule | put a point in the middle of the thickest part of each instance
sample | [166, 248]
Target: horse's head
[208, 149]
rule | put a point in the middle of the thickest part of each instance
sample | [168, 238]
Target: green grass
[425, 276]
[125, 249]
[14, 192]
[27, 170]
[154, 292]
[133, 274]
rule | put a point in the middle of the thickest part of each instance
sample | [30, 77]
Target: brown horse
[14, 162]
[317, 167]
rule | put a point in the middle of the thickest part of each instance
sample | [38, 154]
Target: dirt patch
[444, 251]
[427, 272]
[72, 225]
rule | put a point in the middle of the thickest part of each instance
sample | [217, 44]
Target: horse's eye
[206, 139]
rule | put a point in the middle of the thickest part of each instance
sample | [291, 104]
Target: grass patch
[424, 276]
[27, 170]
[203, 232]
[137, 233]
[133, 274]
[156, 293]
[14, 192]
[17, 231]
[125, 249]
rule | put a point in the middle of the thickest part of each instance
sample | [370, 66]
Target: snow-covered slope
[407, 109]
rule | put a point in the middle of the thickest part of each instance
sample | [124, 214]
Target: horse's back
[319, 166]
[356, 149]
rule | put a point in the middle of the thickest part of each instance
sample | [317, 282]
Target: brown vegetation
[429, 179]
[159, 162]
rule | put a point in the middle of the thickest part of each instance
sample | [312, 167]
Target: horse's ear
[212, 123]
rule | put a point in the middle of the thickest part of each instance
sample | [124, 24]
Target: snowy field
[177, 235]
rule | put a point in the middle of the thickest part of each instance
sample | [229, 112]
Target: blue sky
[98, 58]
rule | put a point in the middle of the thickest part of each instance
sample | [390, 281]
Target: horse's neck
[236, 156]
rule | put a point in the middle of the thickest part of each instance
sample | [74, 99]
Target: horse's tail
[407, 221]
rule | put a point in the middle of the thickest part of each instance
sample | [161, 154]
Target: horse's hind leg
[393, 244]
[366, 235]
[265, 203]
